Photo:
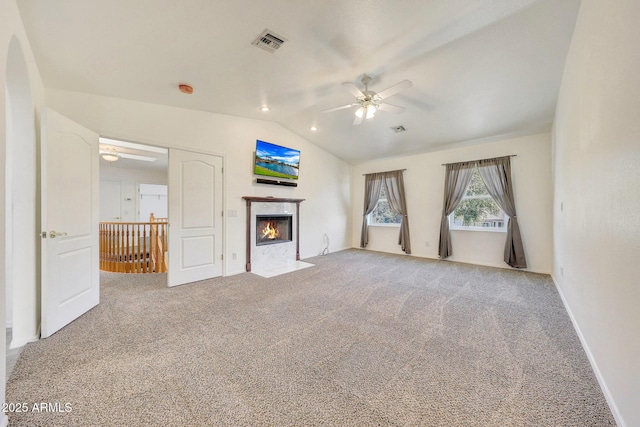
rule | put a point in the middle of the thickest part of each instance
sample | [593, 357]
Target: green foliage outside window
[382, 213]
[477, 208]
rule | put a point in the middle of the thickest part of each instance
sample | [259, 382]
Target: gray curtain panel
[496, 174]
[372, 186]
[456, 181]
[394, 187]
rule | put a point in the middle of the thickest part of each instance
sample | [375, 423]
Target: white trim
[490, 229]
[385, 224]
[594, 365]
[21, 342]
[4, 421]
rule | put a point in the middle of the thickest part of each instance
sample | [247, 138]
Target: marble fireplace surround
[268, 257]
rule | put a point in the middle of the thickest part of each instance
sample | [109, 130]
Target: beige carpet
[362, 339]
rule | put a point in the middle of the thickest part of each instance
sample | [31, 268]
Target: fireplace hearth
[273, 228]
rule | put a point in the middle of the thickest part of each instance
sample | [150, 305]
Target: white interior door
[195, 217]
[110, 201]
[70, 209]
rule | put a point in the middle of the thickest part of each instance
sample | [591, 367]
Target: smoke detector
[398, 129]
[185, 88]
[269, 41]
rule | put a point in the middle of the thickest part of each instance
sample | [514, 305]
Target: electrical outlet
[426, 244]
[561, 271]
[234, 256]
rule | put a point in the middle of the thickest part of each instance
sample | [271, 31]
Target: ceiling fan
[368, 101]
[111, 155]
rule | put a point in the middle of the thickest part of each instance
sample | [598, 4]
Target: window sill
[385, 225]
[490, 230]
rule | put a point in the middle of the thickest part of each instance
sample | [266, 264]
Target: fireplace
[274, 228]
[265, 254]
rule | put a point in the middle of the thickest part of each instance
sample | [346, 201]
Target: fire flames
[270, 232]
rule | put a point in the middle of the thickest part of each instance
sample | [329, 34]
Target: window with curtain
[382, 213]
[478, 210]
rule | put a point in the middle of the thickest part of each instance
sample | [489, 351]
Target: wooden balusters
[133, 247]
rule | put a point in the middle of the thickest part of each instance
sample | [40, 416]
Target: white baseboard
[20, 342]
[592, 361]
[4, 421]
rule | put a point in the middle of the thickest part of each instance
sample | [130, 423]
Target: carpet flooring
[361, 339]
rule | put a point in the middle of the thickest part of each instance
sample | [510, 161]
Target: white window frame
[451, 218]
[381, 224]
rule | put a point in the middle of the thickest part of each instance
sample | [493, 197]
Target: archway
[22, 217]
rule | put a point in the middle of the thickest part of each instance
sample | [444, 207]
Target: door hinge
[222, 257]
[43, 234]
[221, 213]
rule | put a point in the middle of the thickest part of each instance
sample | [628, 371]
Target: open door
[195, 216]
[70, 210]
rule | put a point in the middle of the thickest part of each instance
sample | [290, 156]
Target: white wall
[424, 181]
[324, 180]
[10, 27]
[129, 180]
[596, 151]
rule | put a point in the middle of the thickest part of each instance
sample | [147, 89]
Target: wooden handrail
[133, 247]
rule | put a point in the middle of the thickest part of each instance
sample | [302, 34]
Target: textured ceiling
[480, 68]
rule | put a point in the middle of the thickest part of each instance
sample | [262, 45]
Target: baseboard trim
[592, 361]
[20, 342]
[4, 421]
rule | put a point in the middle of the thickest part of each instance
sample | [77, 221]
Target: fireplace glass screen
[272, 229]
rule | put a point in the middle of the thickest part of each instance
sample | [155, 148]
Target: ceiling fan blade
[132, 145]
[391, 108]
[136, 157]
[342, 107]
[358, 120]
[395, 89]
[353, 89]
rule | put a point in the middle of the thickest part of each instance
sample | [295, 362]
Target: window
[478, 210]
[382, 213]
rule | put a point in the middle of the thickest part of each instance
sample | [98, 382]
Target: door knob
[54, 233]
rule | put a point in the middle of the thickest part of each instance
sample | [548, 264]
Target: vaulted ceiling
[480, 69]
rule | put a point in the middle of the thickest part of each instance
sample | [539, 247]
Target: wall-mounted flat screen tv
[276, 161]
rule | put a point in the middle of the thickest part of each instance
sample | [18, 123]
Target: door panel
[70, 211]
[195, 217]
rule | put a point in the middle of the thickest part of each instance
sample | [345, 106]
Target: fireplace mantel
[251, 199]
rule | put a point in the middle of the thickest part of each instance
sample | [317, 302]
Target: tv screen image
[276, 161]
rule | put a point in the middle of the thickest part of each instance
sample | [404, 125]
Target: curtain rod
[477, 160]
[364, 174]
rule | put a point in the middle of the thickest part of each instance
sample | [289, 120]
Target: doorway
[22, 300]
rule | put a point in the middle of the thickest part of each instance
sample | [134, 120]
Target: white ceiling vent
[398, 129]
[269, 41]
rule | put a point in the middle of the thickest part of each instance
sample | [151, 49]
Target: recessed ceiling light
[264, 108]
[313, 129]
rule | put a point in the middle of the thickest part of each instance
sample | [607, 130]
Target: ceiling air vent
[269, 41]
[398, 129]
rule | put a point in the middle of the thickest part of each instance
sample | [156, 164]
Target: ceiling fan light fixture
[371, 111]
[110, 156]
[360, 112]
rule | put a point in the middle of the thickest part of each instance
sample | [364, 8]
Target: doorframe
[21, 134]
[170, 146]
